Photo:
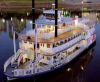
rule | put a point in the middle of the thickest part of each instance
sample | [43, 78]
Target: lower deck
[40, 66]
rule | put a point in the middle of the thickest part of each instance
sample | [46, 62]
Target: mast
[14, 43]
[34, 27]
[82, 6]
[56, 17]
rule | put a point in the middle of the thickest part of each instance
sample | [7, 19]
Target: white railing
[19, 59]
[51, 33]
[37, 69]
[15, 57]
[70, 57]
[7, 63]
[66, 45]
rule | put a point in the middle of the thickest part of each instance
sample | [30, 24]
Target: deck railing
[7, 63]
[38, 69]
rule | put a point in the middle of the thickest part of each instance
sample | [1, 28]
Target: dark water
[84, 69]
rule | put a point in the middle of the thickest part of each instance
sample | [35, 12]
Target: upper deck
[53, 39]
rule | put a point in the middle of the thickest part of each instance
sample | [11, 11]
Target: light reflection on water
[85, 64]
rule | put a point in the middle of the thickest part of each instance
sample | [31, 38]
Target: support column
[56, 17]
[51, 60]
[36, 41]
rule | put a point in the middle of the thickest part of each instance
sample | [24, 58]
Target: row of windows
[59, 43]
[48, 45]
[66, 40]
[49, 15]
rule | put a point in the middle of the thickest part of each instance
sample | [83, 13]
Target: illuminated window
[30, 42]
[84, 33]
[74, 36]
[25, 41]
[68, 39]
[48, 45]
[54, 57]
[57, 44]
[48, 58]
[41, 44]
[53, 45]
[65, 41]
[61, 42]
[71, 38]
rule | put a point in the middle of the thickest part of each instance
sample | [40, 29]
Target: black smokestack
[33, 14]
[56, 17]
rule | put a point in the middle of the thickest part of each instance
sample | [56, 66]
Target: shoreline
[14, 5]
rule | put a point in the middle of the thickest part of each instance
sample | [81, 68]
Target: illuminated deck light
[28, 14]
[82, 68]
[3, 20]
[90, 53]
[11, 18]
[30, 22]
[69, 69]
[22, 20]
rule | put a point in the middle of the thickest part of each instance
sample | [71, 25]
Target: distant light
[96, 14]
[30, 22]
[11, 18]
[66, 12]
[28, 14]
[3, 20]
[22, 20]
[90, 53]
[82, 2]
[69, 69]
[82, 68]
[85, 9]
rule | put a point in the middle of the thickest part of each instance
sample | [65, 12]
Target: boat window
[71, 38]
[74, 36]
[57, 44]
[79, 34]
[30, 42]
[48, 58]
[48, 45]
[53, 45]
[61, 42]
[41, 44]
[64, 24]
[84, 33]
[68, 39]
[65, 41]
[37, 45]
[25, 41]
[28, 38]
[54, 57]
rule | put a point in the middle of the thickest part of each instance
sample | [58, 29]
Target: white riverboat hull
[58, 67]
